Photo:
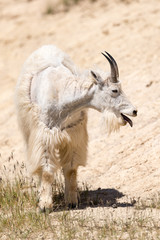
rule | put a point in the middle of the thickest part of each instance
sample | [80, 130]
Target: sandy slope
[128, 161]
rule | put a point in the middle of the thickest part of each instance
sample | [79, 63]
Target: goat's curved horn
[113, 65]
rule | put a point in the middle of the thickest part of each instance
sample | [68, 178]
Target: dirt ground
[127, 161]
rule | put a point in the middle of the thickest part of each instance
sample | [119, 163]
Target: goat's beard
[110, 122]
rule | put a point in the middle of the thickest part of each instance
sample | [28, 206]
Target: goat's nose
[135, 112]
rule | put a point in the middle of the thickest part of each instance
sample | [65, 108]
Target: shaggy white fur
[110, 122]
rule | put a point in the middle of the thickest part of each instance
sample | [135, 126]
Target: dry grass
[53, 7]
[21, 219]
[101, 214]
[59, 6]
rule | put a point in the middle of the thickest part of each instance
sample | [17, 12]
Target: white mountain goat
[52, 98]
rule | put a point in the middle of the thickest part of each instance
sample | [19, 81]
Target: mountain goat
[52, 98]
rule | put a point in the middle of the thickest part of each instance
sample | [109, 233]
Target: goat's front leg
[71, 194]
[45, 191]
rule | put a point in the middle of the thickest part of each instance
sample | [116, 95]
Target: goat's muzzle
[127, 119]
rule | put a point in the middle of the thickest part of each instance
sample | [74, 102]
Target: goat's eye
[115, 91]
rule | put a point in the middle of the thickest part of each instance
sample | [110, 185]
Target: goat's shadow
[96, 198]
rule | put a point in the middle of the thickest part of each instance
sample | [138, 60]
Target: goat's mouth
[127, 119]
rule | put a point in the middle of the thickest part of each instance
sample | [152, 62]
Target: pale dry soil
[127, 162]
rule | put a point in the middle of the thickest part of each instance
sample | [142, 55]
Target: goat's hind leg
[45, 190]
[71, 194]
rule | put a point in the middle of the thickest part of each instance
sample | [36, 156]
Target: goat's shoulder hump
[45, 56]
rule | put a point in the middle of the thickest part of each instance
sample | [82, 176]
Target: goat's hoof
[45, 210]
[45, 207]
[72, 205]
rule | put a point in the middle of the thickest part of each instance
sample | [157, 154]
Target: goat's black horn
[113, 65]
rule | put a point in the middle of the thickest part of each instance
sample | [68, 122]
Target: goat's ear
[97, 78]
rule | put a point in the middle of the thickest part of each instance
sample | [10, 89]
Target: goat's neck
[79, 95]
[78, 103]
[82, 101]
